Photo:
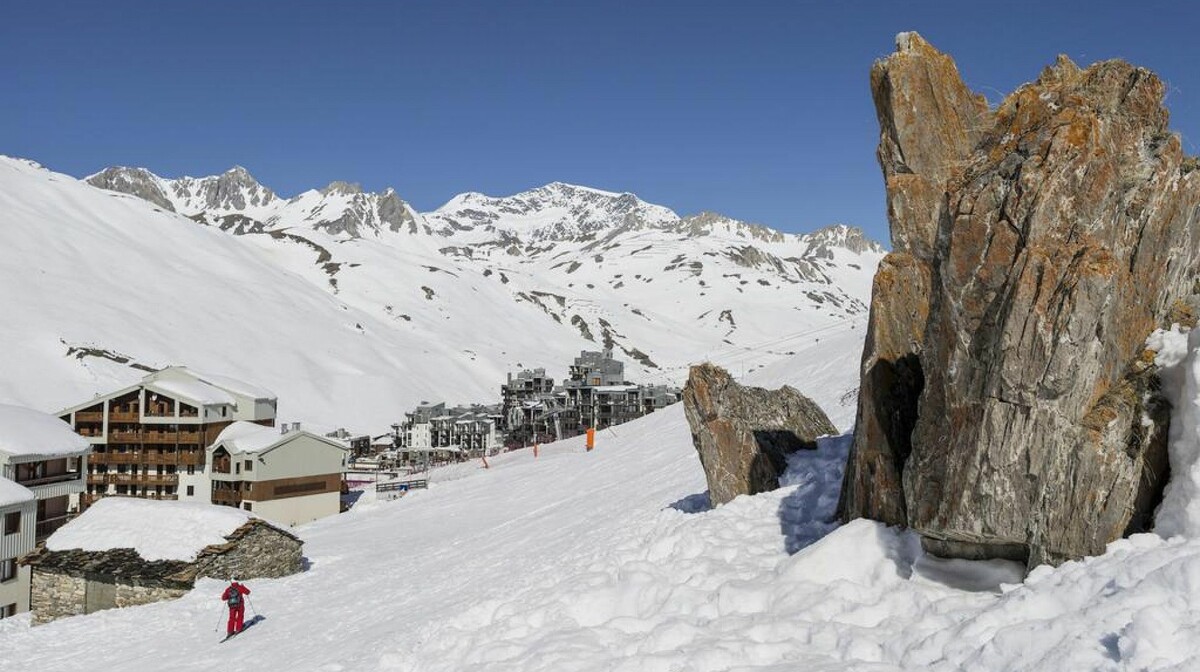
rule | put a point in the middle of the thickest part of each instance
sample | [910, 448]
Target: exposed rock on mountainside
[1008, 408]
[744, 434]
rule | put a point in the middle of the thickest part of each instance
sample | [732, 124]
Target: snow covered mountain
[353, 306]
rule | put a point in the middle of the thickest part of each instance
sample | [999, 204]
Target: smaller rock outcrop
[743, 434]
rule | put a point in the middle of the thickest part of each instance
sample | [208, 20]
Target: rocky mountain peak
[134, 181]
[1008, 407]
[841, 235]
[342, 188]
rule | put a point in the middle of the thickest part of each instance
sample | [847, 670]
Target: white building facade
[286, 476]
[18, 521]
[42, 465]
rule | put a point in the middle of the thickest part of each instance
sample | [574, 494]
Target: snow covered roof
[14, 493]
[28, 433]
[235, 386]
[192, 390]
[156, 530]
[247, 437]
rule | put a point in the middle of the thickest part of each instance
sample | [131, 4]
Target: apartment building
[595, 394]
[149, 438]
[440, 433]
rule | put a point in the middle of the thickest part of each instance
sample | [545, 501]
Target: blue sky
[759, 110]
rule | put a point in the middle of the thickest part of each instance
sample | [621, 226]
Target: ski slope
[610, 560]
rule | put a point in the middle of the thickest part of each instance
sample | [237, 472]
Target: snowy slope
[607, 561]
[99, 284]
[354, 307]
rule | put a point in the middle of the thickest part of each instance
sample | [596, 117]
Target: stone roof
[124, 565]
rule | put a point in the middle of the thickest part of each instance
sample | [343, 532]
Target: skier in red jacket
[237, 606]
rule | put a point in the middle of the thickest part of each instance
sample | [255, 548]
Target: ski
[245, 627]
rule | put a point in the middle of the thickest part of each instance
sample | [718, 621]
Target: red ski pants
[236, 614]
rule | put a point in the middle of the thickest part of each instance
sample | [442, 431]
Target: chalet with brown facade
[287, 475]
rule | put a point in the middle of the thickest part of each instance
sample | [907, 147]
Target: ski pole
[221, 613]
[251, 603]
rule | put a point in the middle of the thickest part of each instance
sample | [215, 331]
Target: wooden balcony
[89, 416]
[134, 479]
[192, 438]
[227, 497]
[126, 416]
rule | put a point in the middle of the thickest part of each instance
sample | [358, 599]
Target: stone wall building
[103, 574]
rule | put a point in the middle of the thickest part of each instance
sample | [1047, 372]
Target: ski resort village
[568, 429]
[178, 435]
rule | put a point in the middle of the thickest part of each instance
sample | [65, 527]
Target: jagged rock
[135, 181]
[1007, 407]
[743, 434]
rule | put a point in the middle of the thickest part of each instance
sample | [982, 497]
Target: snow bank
[26, 432]
[157, 530]
[1179, 513]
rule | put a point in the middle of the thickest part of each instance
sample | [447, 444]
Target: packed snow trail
[609, 560]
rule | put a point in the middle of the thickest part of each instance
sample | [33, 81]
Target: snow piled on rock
[156, 530]
[1179, 356]
[612, 560]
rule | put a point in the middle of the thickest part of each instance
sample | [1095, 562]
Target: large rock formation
[744, 434]
[1007, 407]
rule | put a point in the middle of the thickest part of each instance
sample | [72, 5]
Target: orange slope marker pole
[591, 438]
[535, 451]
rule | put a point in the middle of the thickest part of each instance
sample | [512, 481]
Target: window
[249, 486]
[8, 570]
[191, 490]
[237, 468]
[246, 506]
[224, 410]
[12, 522]
[8, 610]
[249, 465]
[191, 469]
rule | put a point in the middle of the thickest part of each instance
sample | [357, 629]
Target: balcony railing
[117, 416]
[134, 479]
[47, 527]
[89, 416]
[46, 480]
